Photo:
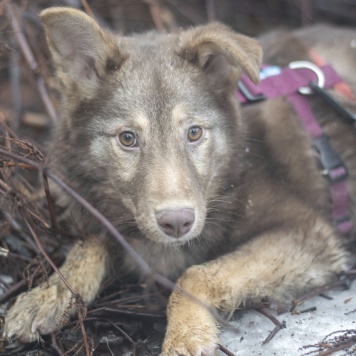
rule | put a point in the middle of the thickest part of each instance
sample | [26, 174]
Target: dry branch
[31, 61]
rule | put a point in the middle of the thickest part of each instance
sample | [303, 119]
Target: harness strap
[305, 114]
[339, 211]
[291, 83]
[333, 166]
[342, 87]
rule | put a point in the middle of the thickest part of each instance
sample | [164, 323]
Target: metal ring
[314, 68]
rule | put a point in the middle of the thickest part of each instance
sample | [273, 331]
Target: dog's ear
[82, 51]
[221, 53]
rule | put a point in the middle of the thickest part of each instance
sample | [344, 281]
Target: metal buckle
[333, 166]
[247, 93]
[314, 68]
[336, 175]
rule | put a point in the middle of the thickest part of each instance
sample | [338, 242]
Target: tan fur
[40, 311]
[252, 183]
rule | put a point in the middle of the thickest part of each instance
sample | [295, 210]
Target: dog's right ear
[82, 51]
[221, 53]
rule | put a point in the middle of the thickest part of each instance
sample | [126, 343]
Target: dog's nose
[175, 223]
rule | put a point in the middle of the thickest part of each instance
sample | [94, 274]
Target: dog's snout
[175, 223]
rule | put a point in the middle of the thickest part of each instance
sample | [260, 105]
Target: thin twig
[316, 292]
[53, 265]
[155, 11]
[39, 219]
[15, 80]
[125, 312]
[193, 16]
[210, 10]
[225, 350]
[31, 61]
[21, 165]
[342, 346]
[16, 227]
[50, 205]
[13, 290]
[275, 321]
[306, 12]
[19, 257]
[111, 229]
[5, 186]
[87, 8]
[351, 312]
[55, 346]
[122, 332]
[108, 298]
[308, 310]
[351, 272]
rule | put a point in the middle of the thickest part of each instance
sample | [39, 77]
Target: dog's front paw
[192, 330]
[36, 312]
[193, 343]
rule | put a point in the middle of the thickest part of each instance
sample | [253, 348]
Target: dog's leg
[279, 264]
[40, 310]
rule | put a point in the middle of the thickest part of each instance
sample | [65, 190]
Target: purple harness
[294, 83]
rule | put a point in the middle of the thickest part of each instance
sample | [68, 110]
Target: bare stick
[306, 12]
[87, 8]
[132, 252]
[55, 346]
[311, 309]
[210, 10]
[15, 79]
[122, 332]
[31, 61]
[275, 321]
[53, 265]
[225, 350]
[125, 312]
[50, 205]
[155, 11]
[16, 227]
[13, 290]
[342, 346]
[351, 272]
[316, 292]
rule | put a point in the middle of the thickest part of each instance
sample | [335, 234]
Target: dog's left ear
[221, 53]
[82, 51]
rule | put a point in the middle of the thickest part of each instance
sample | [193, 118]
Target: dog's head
[150, 122]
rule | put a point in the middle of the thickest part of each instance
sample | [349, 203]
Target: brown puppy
[232, 203]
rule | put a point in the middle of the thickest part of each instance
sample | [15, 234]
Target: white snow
[303, 329]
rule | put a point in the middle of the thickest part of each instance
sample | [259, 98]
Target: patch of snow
[304, 329]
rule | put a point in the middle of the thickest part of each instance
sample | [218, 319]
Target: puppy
[229, 201]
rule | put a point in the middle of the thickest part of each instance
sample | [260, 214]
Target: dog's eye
[128, 139]
[194, 133]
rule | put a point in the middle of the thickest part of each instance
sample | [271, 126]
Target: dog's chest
[168, 261]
